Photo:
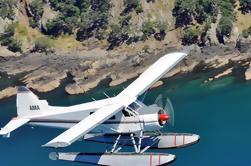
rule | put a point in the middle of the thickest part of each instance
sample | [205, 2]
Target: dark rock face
[243, 45]
[160, 36]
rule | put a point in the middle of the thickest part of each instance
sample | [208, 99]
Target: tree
[132, 4]
[14, 45]
[55, 27]
[7, 39]
[245, 6]
[191, 36]
[70, 11]
[116, 37]
[225, 26]
[37, 9]
[42, 44]
[6, 8]
[148, 28]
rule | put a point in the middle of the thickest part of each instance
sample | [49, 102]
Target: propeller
[168, 111]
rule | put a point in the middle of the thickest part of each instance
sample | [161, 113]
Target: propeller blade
[170, 111]
[159, 101]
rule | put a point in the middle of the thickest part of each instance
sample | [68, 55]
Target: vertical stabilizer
[28, 103]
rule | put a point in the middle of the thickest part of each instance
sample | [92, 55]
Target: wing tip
[56, 144]
[181, 53]
[5, 132]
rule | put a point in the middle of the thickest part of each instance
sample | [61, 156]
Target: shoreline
[45, 73]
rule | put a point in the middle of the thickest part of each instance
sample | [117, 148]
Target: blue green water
[219, 112]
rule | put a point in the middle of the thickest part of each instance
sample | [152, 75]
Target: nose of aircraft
[163, 117]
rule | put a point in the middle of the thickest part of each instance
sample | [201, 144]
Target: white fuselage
[66, 117]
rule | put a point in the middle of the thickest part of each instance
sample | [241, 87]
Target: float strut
[134, 143]
[115, 144]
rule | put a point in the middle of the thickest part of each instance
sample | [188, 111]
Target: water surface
[218, 111]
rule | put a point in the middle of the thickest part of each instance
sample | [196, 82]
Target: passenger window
[91, 113]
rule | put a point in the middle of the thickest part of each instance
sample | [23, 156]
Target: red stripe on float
[150, 159]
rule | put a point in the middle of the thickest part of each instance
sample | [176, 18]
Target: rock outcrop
[8, 92]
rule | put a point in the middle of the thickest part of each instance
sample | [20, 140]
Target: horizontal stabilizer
[12, 125]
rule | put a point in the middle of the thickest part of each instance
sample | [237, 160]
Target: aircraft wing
[84, 126]
[125, 98]
[151, 76]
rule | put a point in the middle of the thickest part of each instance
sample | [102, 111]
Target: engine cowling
[155, 121]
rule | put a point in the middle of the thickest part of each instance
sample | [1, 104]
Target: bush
[225, 26]
[186, 11]
[245, 33]
[6, 8]
[56, 27]
[88, 17]
[33, 23]
[139, 8]
[191, 36]
[37, 10]
[42, 45]
[148, 28]
[132, 4]
[14, 45]
[7, 38]
[245, 6]
[146, 48]
[116, 37]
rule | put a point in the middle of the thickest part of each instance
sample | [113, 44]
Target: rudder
[28, 103]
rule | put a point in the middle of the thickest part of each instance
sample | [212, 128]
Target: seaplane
[119, 121]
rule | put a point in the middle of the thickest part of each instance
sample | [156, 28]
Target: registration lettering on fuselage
[34, 107]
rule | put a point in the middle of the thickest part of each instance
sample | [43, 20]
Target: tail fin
[28, 103]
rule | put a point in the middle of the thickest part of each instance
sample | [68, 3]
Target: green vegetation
[36, 12]
[187, 11]
[246, 32]
[7, 8]
[106, 20]
[225, 26]
[116, 37]
[191, 36]
[132, 4]
[88, 17]
[201, 12]
[146, 48]
[245, 6]
[228, 17]
[7, 38]
[148, 29]
[42, 44]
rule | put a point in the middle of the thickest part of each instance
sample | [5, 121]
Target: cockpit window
[126, 113]
[134, 106]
